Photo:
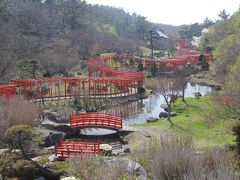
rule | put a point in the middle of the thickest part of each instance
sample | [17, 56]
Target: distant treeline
[53, 35]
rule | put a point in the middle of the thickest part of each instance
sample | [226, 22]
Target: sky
[174, 12]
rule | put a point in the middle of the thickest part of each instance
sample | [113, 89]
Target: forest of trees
[223, 42]
[41, 35]
[36, 37]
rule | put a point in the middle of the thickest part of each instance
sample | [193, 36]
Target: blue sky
[175, 12]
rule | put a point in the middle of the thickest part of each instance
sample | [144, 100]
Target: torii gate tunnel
[179, 62]
[7, 90]
[104, 87]
[108, 84]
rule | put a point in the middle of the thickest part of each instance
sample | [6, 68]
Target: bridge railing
[95, 120]
[70, 149]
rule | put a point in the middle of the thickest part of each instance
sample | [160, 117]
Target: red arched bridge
[71, 149]
[96, 120]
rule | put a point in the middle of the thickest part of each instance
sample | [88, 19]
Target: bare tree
[16, 111]
[183, 77]
[170, 89]
[60, 56]
[8, 48]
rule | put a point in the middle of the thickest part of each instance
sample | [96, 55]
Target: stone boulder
[127, 150]
[165, 114]
[54, 116]
[165, 107]
[63, 128]
[106, 149]
[132, 168]
[197, 94]
[53, 138]
[151, 119]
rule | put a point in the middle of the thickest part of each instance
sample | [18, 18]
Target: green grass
[191, 120]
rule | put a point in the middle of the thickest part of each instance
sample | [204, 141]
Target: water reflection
[138, 112]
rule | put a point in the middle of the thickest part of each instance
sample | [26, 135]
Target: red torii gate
[71, 149]
[96, 120]
[76, 86]
[100, 68]
[164, 65]
[7, 90]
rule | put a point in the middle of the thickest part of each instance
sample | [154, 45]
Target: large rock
[106, 149]
[53, 138]
[197, 94]
[127, 150]
[165, 114]
[152, 119]
[132, 168]
[136, 170]
[54, 116]
[62, 128]
[165, 107]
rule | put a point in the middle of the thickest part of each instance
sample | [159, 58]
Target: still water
[138, 112]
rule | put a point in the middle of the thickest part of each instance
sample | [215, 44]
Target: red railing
[184, 57]
[7, 90]
[70, 149]
[101, 120]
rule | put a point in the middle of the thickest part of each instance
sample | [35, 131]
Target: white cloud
[174, 12]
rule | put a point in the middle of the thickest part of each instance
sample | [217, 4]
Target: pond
[138, 112]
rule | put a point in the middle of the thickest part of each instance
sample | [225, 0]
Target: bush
[92, 168]
[12, 166]
[17, 111]
[173, 157]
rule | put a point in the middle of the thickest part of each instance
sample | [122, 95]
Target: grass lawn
[191, 120]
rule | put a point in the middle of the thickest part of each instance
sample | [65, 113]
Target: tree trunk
[169, 115]
[42, 98]
[183, 93]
